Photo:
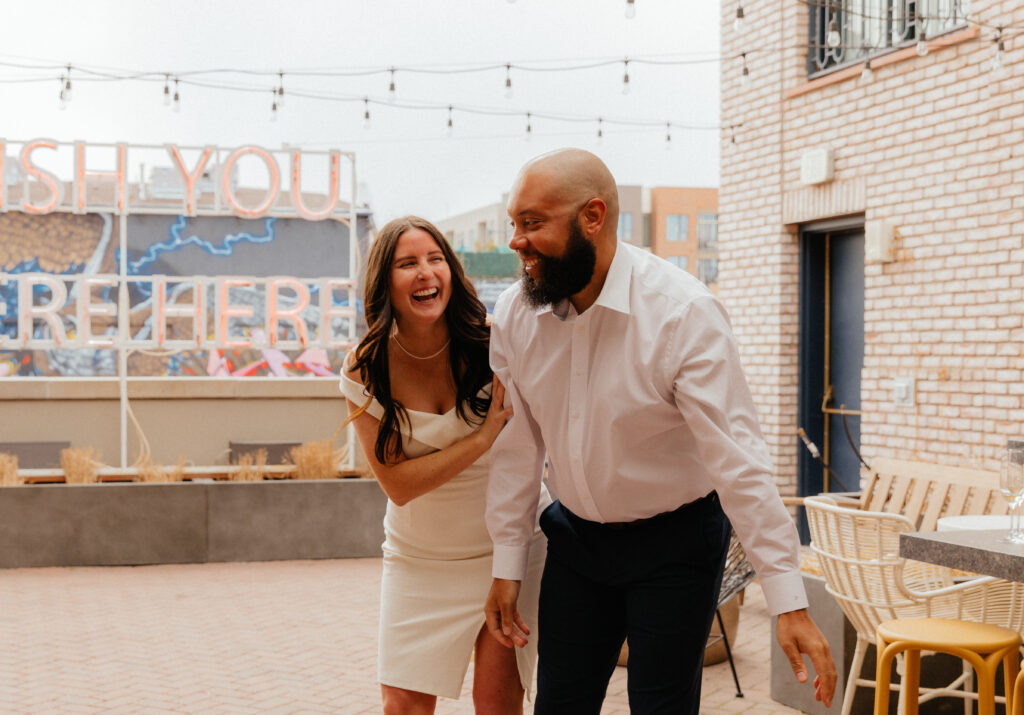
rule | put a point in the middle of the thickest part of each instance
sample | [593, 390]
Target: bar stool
[982, 645]
[1018, 695]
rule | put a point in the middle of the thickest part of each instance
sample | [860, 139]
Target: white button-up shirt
[641, 406]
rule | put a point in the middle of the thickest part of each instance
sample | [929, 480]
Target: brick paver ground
[278, 637]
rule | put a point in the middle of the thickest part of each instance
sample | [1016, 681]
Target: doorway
[831, 357]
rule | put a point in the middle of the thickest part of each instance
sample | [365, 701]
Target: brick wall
[934, 145]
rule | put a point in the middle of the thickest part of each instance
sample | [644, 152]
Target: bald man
[623, 372]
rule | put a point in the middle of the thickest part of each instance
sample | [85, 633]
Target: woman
[418, 390]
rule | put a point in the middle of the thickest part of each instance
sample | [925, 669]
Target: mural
[64, 244]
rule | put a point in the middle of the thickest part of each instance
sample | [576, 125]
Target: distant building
[676, 223]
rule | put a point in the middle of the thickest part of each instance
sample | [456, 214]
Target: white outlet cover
[903, 391]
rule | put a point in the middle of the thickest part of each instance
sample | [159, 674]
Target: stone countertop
[981, 552]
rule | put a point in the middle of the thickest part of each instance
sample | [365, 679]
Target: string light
[625, 77]
[630, 9]
[280, 89]
[273, 106]
[600, 130]
[167, 90]
[67, 86]
[998, 66]
[62, 101]
[867, 73]
[177, 98]
[668, 135]
[745, 73]
[529, 126]
[508, 81]
[922, 44]
[366, 112]
[832, 38]
[737, 24]
[391, 87]
[450, 126]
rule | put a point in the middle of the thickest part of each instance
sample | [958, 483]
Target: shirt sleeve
[517, 463]
[712, 394]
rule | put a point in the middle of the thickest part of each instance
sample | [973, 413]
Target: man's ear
[592, 216]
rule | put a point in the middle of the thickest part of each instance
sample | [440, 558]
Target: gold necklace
[394, 336]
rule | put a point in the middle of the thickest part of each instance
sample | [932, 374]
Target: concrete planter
[124, 524]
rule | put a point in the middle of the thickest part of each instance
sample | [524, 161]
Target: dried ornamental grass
[250, 467]
[9, 476]
[150, 472]
[80, 465]
[315, 460]
[177, 472]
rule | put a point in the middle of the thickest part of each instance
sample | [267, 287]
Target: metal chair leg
[728, 652]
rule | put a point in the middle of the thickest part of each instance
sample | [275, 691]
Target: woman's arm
[406, 479]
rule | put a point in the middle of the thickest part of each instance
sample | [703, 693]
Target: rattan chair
[858, 552]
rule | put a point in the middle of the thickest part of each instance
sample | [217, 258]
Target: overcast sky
[406, 159]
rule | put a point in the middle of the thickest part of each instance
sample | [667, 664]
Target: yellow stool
[1018, 695]
[982, 645]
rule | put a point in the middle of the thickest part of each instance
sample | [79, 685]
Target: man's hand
[502, 614]
[797, 634]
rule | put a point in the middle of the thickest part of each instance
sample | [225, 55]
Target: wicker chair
[858, 552]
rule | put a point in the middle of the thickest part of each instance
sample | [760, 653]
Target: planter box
[125, 524]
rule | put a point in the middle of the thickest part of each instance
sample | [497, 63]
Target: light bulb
[922, 47]
[67, 89]
[62, 103]
[867, 73]
[529, 127]
[167, 94]
[508, 82]
[745, 77]
[630, 9]
[176, 99]
[450, 127]
[391, 88]
[600, 131]
[833, 39]
[280, 89]
[625, 78]
[273, 112]
[737, 24]
[366, 114]
[668, 135]
[998, 67]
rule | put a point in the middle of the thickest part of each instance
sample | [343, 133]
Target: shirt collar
[614, 293]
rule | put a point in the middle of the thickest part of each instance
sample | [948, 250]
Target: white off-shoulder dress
[437, 567]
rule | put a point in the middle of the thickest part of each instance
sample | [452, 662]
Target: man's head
[564, 208]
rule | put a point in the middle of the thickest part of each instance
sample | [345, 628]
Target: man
[622, 370]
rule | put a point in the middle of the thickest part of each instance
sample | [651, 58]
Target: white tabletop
[972, 522]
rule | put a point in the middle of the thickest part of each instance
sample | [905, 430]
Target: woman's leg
[398, 701]
[496, 686]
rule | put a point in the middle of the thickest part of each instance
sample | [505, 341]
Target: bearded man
[623, 373]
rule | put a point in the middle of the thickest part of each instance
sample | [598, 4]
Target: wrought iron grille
[846, 31]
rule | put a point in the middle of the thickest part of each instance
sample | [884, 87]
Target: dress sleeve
[357, 394]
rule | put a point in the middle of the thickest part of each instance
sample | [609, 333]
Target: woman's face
[421, 280]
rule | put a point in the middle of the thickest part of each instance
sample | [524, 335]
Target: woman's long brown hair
[467, 328]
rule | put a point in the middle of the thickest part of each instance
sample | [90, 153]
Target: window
[846, 31]
[707, 270]
[677, 227]
[707, 232]
[625, 230]
[678, 261]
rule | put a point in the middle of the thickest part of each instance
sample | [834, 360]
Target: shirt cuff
[784, 592]
[510, 562]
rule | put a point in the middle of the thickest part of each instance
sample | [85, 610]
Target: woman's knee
[397, 701]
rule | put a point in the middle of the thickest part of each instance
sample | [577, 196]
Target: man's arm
[711, 393]
[517, 462]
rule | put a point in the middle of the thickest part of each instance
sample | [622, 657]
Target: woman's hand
[497, 414]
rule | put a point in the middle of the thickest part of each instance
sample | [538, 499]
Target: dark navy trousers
[656, 582]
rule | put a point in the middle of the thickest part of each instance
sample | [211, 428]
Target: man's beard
[564, 277]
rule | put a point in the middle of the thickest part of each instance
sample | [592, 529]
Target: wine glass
[1011, 486]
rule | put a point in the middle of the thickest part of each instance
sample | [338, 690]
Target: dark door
[831, 359]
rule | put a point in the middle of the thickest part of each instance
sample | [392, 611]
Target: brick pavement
[277, 637]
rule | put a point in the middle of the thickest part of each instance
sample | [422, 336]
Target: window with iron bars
[842, 32]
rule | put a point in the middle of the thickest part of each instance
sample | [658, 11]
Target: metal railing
[845, 31]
